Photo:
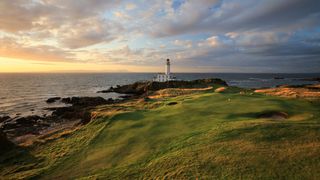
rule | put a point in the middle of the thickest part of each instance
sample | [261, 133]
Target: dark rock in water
[140, 88]
[4, 118]
[5, 144]
[53, 99]
[125, 96]
[66, 100]
[274, 115]
[24, 122]
[106, 91]
[172, 103]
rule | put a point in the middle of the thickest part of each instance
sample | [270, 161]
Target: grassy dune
[205, 135]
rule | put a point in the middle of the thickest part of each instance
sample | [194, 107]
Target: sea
[26, 93]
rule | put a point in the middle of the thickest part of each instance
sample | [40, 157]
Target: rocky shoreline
[78, 111]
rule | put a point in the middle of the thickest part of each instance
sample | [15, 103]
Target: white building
[164, 77]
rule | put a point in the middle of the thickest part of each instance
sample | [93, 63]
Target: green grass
[206, 136]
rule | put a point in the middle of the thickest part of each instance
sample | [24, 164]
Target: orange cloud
[11, 49]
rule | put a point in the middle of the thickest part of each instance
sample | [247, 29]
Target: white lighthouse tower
[164, 77]
[168, 67]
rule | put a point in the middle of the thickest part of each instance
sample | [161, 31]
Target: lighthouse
[166, 76]
[167, 70]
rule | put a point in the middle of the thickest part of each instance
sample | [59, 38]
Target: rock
[4, 118]
[125, 96]
[24, 125]
[221, 89]
[79, 110]
[66, 100]
[277, 115]
[53, 99]
[28, 120]
[5, 144]
[63, 111]
[106, 91]
[86, 101]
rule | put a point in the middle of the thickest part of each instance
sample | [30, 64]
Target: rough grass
[206, 135]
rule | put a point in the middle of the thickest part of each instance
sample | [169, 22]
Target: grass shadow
[18, 159]
[271, 132]
[252, 115]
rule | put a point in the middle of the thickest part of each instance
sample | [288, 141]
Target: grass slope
[206, 135]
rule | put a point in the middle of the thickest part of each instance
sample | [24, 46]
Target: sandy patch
[307, 92]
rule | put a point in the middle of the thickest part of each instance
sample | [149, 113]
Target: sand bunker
[276, 115]
[307, 91]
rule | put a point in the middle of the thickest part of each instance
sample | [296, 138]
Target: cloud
[213, 41]
[131, 6]
[87, 32]
[11, 49]
[183, 43]
[21, 14]
[72, 23]
[223, 33]
[229, 16]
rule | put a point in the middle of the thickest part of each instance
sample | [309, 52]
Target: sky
[247, 36]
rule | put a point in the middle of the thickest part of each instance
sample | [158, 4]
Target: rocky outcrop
[24, 125]
[87, 101]
[53, 99]
[140, 88]
[4, 118]
[78, 111]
